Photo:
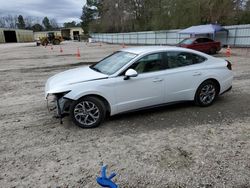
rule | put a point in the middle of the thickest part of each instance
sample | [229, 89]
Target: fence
[238, 36]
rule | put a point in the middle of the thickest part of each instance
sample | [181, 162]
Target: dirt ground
[174, 146]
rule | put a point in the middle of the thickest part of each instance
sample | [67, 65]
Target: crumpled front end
[58, 105]
[58, 86]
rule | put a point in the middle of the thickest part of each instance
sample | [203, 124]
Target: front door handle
[158, 80]
[197, 74]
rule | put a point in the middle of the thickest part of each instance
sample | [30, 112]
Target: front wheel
[87, 112]
[56, 42]
[206, 93]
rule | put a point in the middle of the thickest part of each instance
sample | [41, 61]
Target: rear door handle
[197, 74]
[158, 80]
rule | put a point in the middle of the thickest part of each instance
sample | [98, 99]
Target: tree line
[142, 15]
[29, 22]
[33, 23]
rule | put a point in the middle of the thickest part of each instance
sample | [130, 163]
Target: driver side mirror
[130, 73]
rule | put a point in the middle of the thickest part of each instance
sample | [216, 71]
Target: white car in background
[137, 78]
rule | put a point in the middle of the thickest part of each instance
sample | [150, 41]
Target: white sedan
[137, 78]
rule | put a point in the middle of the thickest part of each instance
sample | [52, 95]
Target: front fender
[77, 95]
[103, 88]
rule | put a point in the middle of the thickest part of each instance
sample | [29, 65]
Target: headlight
[56, 100]
[51, 97]
[60, 95]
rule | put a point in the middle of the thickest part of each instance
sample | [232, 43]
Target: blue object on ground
[105, 181]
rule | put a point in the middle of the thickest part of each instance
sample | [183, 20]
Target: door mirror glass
[130, 73]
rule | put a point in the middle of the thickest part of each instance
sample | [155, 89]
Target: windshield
[113, 63]
[187, 41]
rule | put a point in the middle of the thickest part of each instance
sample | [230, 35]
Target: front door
[147, 89]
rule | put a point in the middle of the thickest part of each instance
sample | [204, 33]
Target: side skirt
[152, 107]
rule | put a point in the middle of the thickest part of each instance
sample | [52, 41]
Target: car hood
[63, 81]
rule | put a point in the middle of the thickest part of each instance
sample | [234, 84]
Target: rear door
[182, 76]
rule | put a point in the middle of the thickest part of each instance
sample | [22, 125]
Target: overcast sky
[61, 10]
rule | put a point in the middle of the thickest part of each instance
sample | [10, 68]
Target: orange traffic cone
[228, 51]
[78, 53]
[61, 50]
[123, 45]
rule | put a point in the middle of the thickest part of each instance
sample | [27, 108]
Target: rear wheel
[87, 112]
[206, 93]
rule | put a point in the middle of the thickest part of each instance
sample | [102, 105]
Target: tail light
[229, 65]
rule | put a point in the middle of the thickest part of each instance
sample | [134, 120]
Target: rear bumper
[227, 83]
[229, 89]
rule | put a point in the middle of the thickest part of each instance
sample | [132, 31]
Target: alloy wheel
[86, 113]
[207, 94]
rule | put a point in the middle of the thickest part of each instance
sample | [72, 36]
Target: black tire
[203, 98]
[78, 113]
[45, 43]
[56, 42]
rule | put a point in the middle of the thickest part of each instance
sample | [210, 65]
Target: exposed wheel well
[106, 103]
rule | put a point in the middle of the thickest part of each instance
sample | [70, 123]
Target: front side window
[207, 40]
[113, 63]
[149, 63]
[180, 59]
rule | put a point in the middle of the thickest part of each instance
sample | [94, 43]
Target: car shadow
[224, 110]
[154, 118]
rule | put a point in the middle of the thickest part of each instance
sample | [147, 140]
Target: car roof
[151, 49]
[146, 49]
[195, 38]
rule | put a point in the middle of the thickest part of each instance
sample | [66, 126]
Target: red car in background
[205, 45]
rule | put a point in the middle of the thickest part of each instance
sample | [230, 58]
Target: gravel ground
[174, 146]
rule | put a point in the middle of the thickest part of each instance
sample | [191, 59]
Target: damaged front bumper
[58, 105]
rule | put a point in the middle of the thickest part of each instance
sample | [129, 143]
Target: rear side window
[181, 59]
